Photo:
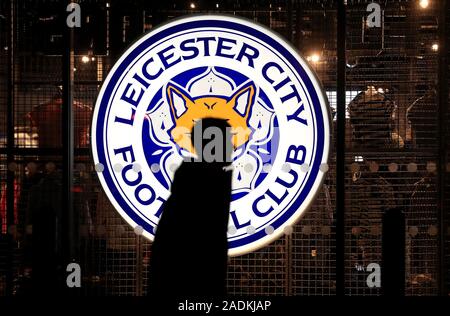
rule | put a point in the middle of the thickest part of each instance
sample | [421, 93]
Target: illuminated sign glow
[257, 81]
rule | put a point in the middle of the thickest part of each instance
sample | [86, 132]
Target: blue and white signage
[246, 74]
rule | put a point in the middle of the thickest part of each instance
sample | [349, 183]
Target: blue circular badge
[251, 77]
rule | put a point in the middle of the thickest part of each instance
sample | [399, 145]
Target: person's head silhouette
[211, 139]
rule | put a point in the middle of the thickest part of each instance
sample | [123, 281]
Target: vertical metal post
[288, 237]
[68, 144]
[139, 265]
[382, 29]
[10, 145]
[443, 116]
[288, 277]
[108, 14]
[340, 151]
[290, 17]
[144, 15]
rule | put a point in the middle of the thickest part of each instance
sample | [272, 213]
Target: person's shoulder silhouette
[189, 253]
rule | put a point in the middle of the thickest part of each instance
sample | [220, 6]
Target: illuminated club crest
[222, 67]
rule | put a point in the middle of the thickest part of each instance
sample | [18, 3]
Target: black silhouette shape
[189, 253]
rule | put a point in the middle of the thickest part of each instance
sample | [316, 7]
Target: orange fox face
[186, 110]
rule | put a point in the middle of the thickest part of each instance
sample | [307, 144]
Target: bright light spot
[107, 4]
[93, 58]
[85, 59]
[192, 6]
[359, 158]
[380, 90]
[217, 5]
[74, 69]
[424, 4]
[313, 58]
[435, 47]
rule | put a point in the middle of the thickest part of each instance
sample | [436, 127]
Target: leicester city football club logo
[223, 67]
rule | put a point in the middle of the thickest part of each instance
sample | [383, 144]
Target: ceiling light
[424, 4]
[314, 58]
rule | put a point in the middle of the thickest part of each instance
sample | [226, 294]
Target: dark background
[396, 147]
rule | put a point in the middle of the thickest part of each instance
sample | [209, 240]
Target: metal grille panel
[393, 154]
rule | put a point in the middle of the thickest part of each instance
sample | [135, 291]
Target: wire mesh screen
[313, 241]
[392, 147]
[3, 114]
[392, 151]
[446, 161]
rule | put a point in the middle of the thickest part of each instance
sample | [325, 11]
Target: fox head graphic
[234, 108]
[211, 93]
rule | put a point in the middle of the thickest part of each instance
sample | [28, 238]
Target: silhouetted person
[189, 253]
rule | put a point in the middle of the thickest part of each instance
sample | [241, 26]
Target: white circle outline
[310, 197]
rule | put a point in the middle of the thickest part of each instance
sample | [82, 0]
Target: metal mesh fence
[392, 154]
[393, 149]
[445, 167]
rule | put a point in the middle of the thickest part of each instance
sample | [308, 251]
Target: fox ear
[178, 99]
[243, 98]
